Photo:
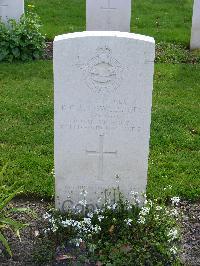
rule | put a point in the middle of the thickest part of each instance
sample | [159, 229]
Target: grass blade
[5, 244]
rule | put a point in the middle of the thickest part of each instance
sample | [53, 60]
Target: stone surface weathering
[108, 15]
[103, 97]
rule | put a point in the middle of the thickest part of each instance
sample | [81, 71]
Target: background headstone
[11, 9]
[108, 15]
[103, 96]
[195, 35]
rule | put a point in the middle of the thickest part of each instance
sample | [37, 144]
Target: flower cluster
[144, 211]
[175, 201]
[83, 227]
[120, 226]
[172, 234]
[52, 221]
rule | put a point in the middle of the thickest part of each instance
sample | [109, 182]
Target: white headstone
[195, 36]
[103, 96]
[11, 9]
[108, 15]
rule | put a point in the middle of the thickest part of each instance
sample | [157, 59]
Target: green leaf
[18, 235]
[10, 222]
[25, 210]
[16, 52]
[5, 243]
[9, 198]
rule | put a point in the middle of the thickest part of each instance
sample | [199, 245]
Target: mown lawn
[26, 143]
[168, 20]
[27, 125]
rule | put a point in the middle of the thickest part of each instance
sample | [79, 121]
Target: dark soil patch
[48, 53]
[23, 251]
[191, 233]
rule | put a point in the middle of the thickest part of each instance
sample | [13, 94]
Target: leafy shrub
[21, 40]
[122, 233]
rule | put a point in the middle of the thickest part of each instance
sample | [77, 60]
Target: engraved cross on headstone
[108, 8]
[101, 154]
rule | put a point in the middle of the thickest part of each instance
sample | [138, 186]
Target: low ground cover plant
[8, 221]
[176, 54]
[21, 40]
[120, 233]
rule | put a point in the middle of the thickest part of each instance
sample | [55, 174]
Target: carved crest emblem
[103, 72]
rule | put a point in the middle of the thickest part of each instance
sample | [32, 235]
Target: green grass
[165, 20]
[175, 134]
[60, 16]
[168, 20]
[27, 125]
[27, 128]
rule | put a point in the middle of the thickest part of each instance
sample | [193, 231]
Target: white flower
[128, 221]
[148, 202]
[97, 211]
[52, 220]
[114, 206]
[129, 207]
[158, 208]
[172, 234]
[134, 196]
[99, 200]
[78, 241]
[83, 202]
[100, 218]
[54, 228]
[46, 230]
[174, 250]
[174, 212]
[97, 228]
[133, 193]
[175, 200]
[53, 172]
[144, 211]
[66, 223]
[87, 221]
[137, 201]
[46, 216]
[141, 220]
[144, 195]
[90, 215]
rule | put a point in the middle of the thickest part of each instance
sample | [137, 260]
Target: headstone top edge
[104, 34]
